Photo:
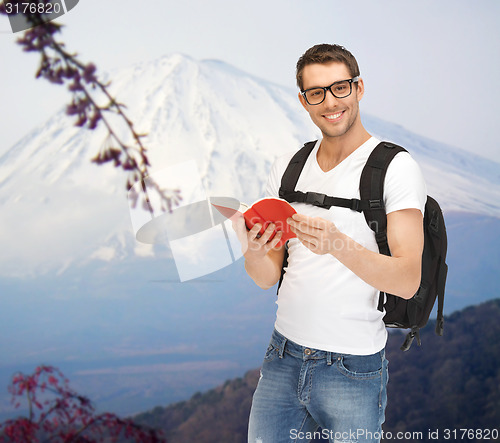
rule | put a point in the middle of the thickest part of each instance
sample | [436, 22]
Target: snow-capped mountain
[58, 208]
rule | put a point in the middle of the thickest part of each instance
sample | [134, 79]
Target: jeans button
[307, 351]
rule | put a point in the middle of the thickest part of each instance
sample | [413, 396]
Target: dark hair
[326, 53]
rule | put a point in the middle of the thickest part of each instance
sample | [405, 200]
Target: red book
[264, 211]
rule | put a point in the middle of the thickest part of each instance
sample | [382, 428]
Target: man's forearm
[398, 274]
[264, 272]
[394, 275]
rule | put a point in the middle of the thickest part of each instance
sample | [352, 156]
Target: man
[325, 365]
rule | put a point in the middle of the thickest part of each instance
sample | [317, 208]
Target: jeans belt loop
[329, 358]
[282, 348]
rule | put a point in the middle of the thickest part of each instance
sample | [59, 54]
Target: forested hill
[449, 383]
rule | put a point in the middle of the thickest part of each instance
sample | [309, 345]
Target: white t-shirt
[321, 303]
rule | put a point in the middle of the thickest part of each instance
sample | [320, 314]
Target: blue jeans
[302, 389]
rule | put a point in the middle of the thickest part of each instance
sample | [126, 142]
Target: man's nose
[330, 99]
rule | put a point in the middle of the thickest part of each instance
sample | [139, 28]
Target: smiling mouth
[334, 117]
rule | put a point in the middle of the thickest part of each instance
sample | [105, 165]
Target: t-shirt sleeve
[404, 186]
[272, 187]
[277, 171]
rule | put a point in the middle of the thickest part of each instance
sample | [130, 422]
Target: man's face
[335, 116]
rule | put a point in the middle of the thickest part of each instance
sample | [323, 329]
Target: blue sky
[430, 66]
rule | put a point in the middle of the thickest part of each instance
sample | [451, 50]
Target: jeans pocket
[361, 366]
[271, 353]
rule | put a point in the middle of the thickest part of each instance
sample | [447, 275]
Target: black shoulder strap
[294, 168]
[288, 182]
[371, 187]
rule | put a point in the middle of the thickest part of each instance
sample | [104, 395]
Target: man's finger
[302, 227]
[254, 232]
[304, 236]
[314, 222]
[272, 244]
[266, 235]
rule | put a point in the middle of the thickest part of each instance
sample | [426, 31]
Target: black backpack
[399, 313]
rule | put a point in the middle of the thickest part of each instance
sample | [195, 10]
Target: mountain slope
[450, 382]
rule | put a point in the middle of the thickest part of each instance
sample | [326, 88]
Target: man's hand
[317, 234]
[263, 259]
[255, 246]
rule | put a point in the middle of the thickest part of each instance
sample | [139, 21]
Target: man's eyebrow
[329, 84]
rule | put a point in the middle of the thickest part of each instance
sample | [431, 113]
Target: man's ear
[303, 101]
[360, 89]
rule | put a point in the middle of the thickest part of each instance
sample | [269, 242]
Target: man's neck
[333, 150]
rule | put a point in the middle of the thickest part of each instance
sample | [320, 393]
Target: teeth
[333, 116]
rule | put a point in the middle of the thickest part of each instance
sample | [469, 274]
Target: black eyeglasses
[340, 89]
